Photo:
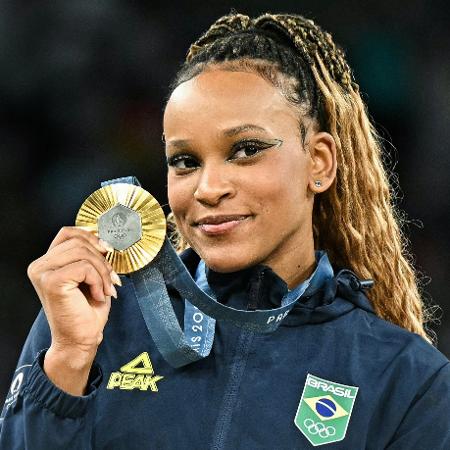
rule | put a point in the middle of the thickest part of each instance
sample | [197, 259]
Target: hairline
[269, 71]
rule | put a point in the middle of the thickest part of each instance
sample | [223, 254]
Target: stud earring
[317, 183]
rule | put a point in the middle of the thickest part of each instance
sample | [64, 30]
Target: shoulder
[399, 350]
[384, 339]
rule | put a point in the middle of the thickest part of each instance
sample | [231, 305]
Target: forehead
[220, 98]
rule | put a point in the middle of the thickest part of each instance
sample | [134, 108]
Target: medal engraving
[120, 226]
[130, 219]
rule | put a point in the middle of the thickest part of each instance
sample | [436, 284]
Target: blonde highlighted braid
[355, 220]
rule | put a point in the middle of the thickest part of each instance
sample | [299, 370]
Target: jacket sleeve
[37, 414]
[427, 423]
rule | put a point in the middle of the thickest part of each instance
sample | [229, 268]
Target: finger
[52, 259]
[61, 282]
[87, 253]
[89, 228]
[75, 249]
[94, 230]
[68, 232]
[73, 243]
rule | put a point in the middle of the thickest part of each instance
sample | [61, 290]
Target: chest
[247, 393]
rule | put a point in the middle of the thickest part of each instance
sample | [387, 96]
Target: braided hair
[355, 220]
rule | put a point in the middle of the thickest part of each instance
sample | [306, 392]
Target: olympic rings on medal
[319, 428]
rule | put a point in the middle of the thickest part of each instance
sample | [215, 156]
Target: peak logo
[137, 374]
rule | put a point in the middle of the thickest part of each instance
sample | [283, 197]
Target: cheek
[282, 185]
[180, 194]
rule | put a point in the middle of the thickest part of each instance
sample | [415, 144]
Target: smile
[215, 225]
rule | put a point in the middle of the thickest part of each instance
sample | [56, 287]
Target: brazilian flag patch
[324, 410]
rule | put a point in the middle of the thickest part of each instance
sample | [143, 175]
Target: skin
[259, 200]
[75, 284]
[262, 193]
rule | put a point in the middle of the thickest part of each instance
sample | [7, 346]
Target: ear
[322, 150]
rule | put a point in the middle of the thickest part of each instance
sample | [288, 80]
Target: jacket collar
[326, 297]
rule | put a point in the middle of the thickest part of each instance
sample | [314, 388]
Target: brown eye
[182, 162]
[248, 149]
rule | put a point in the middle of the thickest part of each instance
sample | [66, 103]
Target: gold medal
[130, 219]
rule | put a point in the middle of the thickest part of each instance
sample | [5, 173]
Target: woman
[274, 171]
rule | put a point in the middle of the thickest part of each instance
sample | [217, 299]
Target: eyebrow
[229, 132]
[241, 128]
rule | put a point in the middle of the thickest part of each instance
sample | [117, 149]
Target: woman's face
[238, 175]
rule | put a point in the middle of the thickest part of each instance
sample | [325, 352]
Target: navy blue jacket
[245, 394]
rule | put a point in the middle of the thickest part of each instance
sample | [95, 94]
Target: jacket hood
[259, 287]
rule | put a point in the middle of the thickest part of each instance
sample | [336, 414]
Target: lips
[220, 224]
[215, 220]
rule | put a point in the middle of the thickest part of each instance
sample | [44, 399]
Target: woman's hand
[74, 283]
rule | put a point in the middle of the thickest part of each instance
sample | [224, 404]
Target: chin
[226, 261]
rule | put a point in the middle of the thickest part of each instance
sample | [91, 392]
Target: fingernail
[115, 278]
[105, 245]
[114, 292]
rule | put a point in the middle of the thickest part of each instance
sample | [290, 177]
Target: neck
[295, 263]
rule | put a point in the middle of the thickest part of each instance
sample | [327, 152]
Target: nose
[214, 185]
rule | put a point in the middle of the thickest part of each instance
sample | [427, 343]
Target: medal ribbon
[181, 347]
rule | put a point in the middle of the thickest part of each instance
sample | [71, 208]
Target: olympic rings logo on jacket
[319, 428]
